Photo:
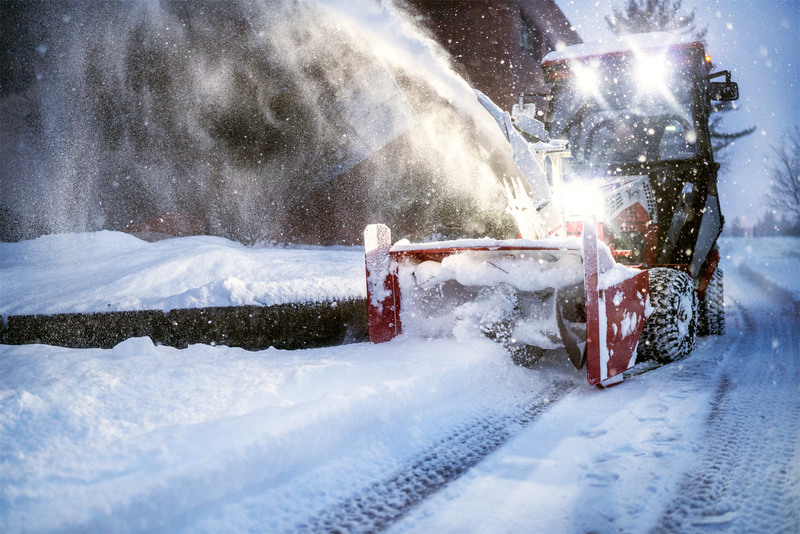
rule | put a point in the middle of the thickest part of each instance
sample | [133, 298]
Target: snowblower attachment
[557, 288]
[552, 294]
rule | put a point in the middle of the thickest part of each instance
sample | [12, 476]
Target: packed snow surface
[215, 439]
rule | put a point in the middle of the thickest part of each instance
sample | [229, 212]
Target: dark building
[498, 45]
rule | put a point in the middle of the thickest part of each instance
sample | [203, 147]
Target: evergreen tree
[642, 16]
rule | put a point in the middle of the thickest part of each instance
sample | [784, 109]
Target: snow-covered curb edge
[284, 326]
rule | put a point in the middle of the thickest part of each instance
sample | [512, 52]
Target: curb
[283, 326]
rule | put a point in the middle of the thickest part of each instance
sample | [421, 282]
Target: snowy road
[711, 443]
[413, 435]
[748, 474]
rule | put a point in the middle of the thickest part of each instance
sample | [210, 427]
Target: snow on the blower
[414, 435]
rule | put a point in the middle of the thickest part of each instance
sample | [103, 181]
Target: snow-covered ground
[113, 271]
[412, 435]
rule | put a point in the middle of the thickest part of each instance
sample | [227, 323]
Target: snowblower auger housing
[421, 284]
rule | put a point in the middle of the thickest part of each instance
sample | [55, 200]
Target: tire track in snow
[747, 478]
[382, 503]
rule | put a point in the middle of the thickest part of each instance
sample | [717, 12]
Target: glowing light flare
[652, 76]
[583, 198]
[651, 72]
[586, 78]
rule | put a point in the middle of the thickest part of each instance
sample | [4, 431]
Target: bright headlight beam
[651, 72]
[583, 198]
[586, 78]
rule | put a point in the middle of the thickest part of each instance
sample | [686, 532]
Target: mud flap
[383, 294]
[615, 316]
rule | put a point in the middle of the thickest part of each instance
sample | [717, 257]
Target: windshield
[622, 109]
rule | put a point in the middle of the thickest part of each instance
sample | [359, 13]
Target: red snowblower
[615, 198]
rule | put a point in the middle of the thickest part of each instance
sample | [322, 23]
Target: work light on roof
[586, 78]
[651, 72]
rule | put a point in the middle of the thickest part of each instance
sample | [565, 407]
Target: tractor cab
[624, 112]
[635, 112]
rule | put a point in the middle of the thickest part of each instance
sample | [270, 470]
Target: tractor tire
[671, 330]
[711, 308]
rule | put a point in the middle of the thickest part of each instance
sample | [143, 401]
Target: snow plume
[278, 120]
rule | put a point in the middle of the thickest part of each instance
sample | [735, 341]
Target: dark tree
[642, 16]
[720, 139]
[784, 193]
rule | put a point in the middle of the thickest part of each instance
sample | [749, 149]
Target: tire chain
[661, 339]
[711, 310]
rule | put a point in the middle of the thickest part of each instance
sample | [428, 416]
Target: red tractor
[615, 197]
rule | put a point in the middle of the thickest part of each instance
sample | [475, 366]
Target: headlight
[586, 78]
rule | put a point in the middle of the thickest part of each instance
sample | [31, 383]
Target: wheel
[711, 309]
[669, 333]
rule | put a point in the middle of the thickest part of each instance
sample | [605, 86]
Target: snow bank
[113, 271]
